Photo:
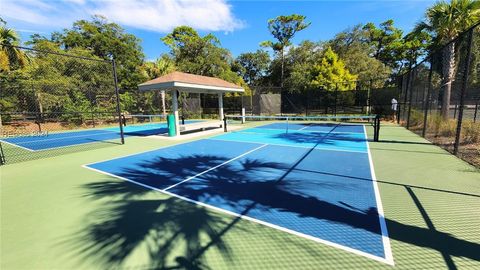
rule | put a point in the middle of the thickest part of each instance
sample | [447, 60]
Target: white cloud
[153, 15]
[30, 31]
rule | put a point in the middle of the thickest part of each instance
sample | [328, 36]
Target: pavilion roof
[190, 83]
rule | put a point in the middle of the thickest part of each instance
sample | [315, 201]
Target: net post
[376, 127]
[124, 120]
[117, 96]
[377, 117]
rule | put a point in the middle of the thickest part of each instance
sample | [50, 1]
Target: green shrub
[448, 128]
[471, 132]
[416, 118]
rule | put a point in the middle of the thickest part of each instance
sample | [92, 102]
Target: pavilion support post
[220, 106]
[164, 108]
[175, 112]
[243, 115]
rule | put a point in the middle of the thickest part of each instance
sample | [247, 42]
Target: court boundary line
[305, 127]
[381, 215]
[276, 144]
[57, 147]
[176, 143]
[386, 260]
[110, 132]
[267, 224]
[77, 144]
[16, 145]
[214, 167]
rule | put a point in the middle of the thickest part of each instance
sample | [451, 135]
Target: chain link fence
[441, 96]
[354, 97]
[55, 103]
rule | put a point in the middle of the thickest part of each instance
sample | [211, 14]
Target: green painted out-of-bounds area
[55, 214]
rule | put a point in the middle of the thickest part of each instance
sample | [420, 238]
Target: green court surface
[55, 214]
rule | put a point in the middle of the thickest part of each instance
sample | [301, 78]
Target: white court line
[59, 139]
[176, 143]
[16, 145]
[381, 216]
[304, 131]
[285, 145]
[304, 127]
[68, 137]
[280, 228]
[213, 168]
[388, 256]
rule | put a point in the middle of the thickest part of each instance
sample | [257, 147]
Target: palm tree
[10, 57]
[162, 66]
[446, 21]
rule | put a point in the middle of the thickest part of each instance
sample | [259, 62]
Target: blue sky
[240, 25]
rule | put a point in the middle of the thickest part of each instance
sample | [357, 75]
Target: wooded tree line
[361, 53]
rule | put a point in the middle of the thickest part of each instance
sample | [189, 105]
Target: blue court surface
[314, 181]
[70, 138]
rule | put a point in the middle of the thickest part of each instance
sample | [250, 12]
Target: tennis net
[141, 119]
[347, 123]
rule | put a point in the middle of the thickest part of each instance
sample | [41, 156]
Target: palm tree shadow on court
[315, 137]
[169, 230]
[176, 234]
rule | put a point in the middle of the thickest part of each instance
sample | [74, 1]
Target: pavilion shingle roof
[182, 77]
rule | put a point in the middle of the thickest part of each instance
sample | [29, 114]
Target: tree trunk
[39, 103]
[448, 66]
[281, 76]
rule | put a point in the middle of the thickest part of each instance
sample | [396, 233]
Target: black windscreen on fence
[355, 97]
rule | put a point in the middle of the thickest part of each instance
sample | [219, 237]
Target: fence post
[369, 93]
[399, 105]
[427, 101]
[2, 155]
[93, 118]
[474, 114]
[117, 96]
[462, 92]
[335, 103]
[410, 95]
